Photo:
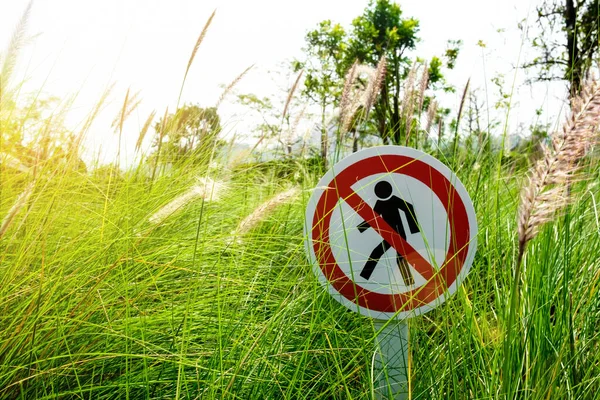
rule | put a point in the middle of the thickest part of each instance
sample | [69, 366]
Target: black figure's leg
[407, 276]
[374, 259]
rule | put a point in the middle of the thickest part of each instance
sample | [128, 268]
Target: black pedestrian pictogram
[389, 207]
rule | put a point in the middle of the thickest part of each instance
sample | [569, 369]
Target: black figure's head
[383, 189]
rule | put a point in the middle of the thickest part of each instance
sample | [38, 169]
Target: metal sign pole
[390, 364]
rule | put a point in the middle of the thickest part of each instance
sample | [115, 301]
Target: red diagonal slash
[384, 230]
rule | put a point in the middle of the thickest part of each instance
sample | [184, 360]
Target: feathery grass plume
[409, 86]
[13, 162]
[20, 202]
[232, 85]
[423, 86]
[263, 210]
[92, 116]
[129, 105]
[374, 86]
[408, 101]
[207, 189]
[545, 192]
[289, 140]
[440, 132]
[144, 130]
[345, 100]
[298, 119]
[356, 95]
[194, 51]
[291, 94]
[161, 135]
[462, 104]
[431, 112]
[10, 56]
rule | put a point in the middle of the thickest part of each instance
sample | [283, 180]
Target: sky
[81, 47]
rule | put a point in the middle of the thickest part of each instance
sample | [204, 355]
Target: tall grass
[98, 299]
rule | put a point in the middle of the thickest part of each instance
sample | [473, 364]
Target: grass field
[99, 302]
[193, 282]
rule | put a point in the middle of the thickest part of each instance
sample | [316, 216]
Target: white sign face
[391, 232]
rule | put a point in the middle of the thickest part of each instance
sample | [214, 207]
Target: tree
[568, 41]
[325, 55]
[191, 133]
[380, 33]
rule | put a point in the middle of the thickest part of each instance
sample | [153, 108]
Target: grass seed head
[230, 87]
[144, 130]
[291, 94]
[206, 189]
[431, 113]
[263, 210]
[13, 162]
[374, 86]
[546, 191]
[18, 205]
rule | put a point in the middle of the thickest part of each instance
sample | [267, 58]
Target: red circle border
[457, 218]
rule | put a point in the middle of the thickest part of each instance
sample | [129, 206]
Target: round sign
[391, 232]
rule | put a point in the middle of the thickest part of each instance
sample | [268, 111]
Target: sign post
[390, 362]
[391, 233]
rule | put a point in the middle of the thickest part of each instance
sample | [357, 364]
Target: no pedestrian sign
[391, 232]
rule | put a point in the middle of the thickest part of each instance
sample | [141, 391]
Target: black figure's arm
[409, 211]
[363, 226]
[411, 217]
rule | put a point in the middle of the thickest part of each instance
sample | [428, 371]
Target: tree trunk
[574, 65]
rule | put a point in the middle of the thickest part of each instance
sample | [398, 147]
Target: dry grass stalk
[291, 136]
[263, 210]
[16, 42]
[346, 101]
[462, 103]
[546, 191]
[195, 50]
[374, 86]
[144, 130]
[423, 86]
[92, 116]
[161, 136]
[13, 162]
[232, 85]
[20, 202]
[408, 101]
[357, 94]
[409, 87]
[129, 105]
[431, 112]
[291, 94]
[206, 189]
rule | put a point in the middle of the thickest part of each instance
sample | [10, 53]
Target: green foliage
[268, 126]
[381, 31]
[190, 133]
[435, 70]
